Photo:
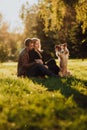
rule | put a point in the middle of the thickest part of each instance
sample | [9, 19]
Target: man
[27, 68]
[23, 60]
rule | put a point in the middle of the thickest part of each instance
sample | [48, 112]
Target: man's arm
[25, 61]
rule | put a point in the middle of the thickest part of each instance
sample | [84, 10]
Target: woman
[37, 50]
[38, 55]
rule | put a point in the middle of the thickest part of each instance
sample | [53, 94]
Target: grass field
[43, 104]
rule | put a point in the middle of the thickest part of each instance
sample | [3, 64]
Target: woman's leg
[39, 70]
[53, 66]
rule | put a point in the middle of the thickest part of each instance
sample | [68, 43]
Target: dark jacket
[23, 60]
[33, 54]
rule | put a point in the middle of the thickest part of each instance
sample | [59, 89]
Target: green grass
[43, 104]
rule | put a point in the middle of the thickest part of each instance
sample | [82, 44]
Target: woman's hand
[39, 61]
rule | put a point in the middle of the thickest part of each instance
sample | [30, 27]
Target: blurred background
[54, 22]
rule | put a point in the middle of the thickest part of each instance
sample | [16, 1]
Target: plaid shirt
[23, 63]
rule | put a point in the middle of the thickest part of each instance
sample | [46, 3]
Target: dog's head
[61, 49]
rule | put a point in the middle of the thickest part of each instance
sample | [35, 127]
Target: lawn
[43, 104]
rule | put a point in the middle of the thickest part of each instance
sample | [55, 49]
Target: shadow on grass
[67, 86]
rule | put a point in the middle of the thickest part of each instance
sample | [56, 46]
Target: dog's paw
[68, 74]
[60, 74]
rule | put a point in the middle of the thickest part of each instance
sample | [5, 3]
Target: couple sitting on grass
[32, 61]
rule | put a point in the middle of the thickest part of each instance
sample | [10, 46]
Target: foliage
[9, 43]
[3, 54]
[3, 42]
[43, 104]
[52, 13]
[29, 17]
[70, 2]
[81, 10]
[77, 42]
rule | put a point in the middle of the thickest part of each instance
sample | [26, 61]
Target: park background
[54, 22]
[45, 104]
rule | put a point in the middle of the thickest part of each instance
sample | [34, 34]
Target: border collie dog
[62, 53]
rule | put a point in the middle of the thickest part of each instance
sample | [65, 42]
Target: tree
[81, 13]
[52, 13]
[9, 43]
[29, 14]
[3, 42]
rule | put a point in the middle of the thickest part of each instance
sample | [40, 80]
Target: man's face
[31, 46]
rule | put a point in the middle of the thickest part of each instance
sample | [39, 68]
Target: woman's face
[37, 45]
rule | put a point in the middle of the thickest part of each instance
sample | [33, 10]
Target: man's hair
[27, 41]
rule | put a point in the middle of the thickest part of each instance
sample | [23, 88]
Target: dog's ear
[57, 47]
[65, 44]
